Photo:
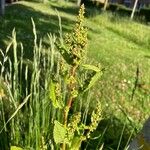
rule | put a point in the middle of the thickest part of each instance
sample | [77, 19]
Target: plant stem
[71, 86]
[70, 99]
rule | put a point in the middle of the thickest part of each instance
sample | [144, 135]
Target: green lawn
[19, 15]
[121, 46]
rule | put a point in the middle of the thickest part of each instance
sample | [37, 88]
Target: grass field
[121, 46]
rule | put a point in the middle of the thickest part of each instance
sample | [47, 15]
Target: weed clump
[45, 114]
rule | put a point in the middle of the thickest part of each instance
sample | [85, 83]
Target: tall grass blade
[16, 111]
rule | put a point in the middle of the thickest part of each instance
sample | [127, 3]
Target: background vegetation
[121, 47]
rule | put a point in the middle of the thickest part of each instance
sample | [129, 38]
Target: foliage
[15, 148]
[72, 51]
[120, 45]
[39, 91]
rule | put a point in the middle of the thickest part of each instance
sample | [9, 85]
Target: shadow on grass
[66, 9]
[19, 16]
[91, 9]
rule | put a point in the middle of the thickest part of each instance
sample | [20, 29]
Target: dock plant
[73, 52]
[41, 99]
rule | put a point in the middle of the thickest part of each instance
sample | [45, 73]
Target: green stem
[69, 101]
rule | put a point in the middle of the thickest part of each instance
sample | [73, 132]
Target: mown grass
[121, 46]
[19, 16]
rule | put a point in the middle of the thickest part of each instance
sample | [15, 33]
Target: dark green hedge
[87, 3]
[120, 9]
[112, 7]
[145, 12]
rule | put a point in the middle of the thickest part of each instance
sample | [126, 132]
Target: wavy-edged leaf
[91, 67]
[93, 80]
[52, 95]
[59, 132]
[15, 148]
[76, 143]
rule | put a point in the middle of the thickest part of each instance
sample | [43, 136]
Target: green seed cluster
[77, 41]
[58, 91]
[73, 125]
[95, 119]
[63, 68]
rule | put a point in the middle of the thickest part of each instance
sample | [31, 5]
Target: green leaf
[52, 95]
[15, 148]
[93, 80]
[59, 132]
[91, 67]
[76, 143]
[65, 54]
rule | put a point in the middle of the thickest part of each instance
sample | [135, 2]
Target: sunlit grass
[121, 47]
